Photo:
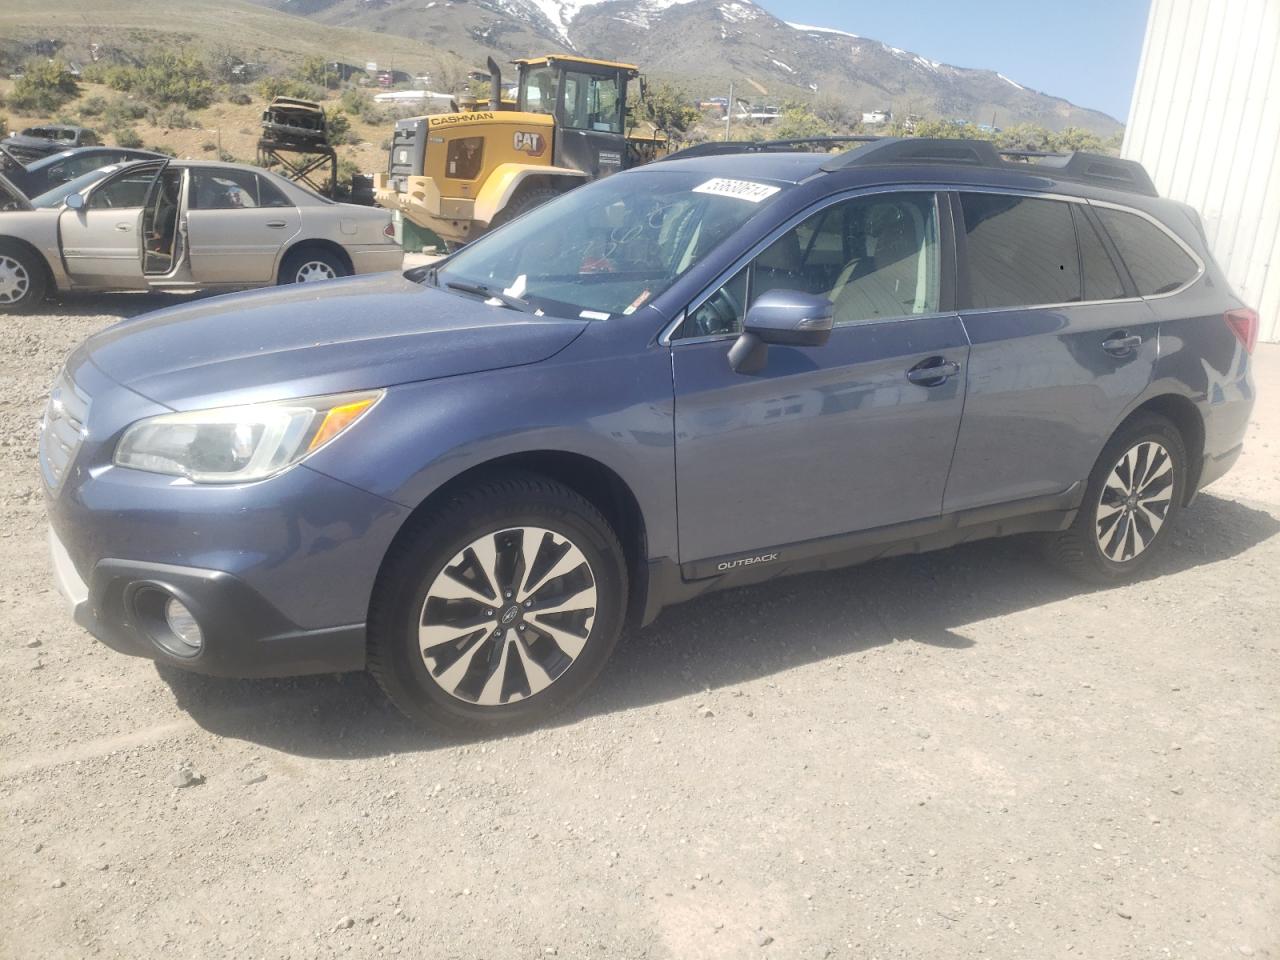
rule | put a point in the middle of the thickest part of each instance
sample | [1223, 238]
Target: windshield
[55, 197]
[609, 248]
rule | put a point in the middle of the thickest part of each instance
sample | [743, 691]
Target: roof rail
[715, 148]
[1095, 168]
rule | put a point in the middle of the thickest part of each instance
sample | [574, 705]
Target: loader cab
[588, 99]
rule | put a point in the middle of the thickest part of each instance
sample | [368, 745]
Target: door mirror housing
[75, 201]
[785, 317]
[790, 318]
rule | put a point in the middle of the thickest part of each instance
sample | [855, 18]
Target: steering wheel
[719, 313]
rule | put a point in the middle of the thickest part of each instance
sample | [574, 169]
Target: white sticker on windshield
[741, 189]
[593, 315]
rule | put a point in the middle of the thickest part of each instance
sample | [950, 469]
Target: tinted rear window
[1101, 279]
[1021, 252]
[1155, 261]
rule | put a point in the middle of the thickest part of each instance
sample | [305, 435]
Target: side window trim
[1085, 202]
[667, 336]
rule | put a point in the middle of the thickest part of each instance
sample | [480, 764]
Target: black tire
[403, 607]
[311, 260]
[1114, 541]
[23, 280]
[522, 203]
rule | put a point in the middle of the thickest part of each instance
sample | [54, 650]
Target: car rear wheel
[1134, 494]
[312, 264]
[22, 279]
[499, 607]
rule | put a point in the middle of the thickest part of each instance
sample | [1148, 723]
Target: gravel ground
[952, 755]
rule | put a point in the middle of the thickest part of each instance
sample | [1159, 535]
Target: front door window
[873, 257]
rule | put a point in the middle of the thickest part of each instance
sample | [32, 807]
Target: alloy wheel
[14, 280]
[1135, 501]
[507, 616]
[314, 270]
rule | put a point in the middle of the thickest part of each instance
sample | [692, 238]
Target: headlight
[239, 444]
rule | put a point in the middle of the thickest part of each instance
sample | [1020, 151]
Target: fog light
[187, 638]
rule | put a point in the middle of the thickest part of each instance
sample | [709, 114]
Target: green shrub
[359, 104]
[93, 107]
[208, 146]
[44, 87]
[316, 71]
[272, 87]
[797, 123]
[339, 127]
[121, 112]
[174, 118]
[667, 107]
[127, 137]
[240, 98]
[162, 148]
[166, 78]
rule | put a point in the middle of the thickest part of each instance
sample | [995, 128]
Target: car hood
[311, 339]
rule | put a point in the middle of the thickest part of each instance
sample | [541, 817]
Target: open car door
[101, 232]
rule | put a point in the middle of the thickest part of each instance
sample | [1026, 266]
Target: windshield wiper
[506, 299]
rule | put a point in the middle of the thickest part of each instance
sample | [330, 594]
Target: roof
[780, 167]
[568, 58]
[923, 159]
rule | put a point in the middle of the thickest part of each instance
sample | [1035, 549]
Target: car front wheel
[22, 279]
[1134, 494]
[499, 607]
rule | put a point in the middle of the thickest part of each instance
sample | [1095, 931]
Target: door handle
[933, 372]
[276, 223]
[1121, 345]
[123, 227]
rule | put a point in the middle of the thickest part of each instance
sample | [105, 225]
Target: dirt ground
[945, 756]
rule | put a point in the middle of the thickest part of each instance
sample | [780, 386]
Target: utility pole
[728, 112]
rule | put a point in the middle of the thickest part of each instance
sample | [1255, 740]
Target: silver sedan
[182, 225]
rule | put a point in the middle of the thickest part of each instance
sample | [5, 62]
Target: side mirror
[785, 317]
[74, 201]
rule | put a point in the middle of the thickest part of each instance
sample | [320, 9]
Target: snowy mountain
[705, 44]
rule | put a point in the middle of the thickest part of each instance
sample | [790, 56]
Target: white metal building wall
[1205, 122]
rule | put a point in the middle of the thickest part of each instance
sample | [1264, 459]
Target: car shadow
[723, 639]
[121, 305]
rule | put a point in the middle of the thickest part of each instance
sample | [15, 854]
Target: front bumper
[279, 573]
[244, 635]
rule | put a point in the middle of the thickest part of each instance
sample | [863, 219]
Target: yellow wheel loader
[458, 174]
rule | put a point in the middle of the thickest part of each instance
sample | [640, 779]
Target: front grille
[63, 429]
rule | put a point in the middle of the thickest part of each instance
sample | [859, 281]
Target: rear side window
[1156, 262]
[1021, 251]
[1101, 279]
[224, 189]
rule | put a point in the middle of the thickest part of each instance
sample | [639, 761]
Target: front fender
[423, 435]
[507, 178]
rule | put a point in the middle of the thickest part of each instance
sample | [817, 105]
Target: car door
[1060, 348]
[829, 440]
[101, 240]
[237, 222]
[589, 130]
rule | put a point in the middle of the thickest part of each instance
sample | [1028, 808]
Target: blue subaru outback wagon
[702, 373]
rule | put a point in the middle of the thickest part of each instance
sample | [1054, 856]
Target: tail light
[1244, 324]
[389, 231]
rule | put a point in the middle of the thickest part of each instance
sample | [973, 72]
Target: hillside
[726, 40]
[702, 44]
